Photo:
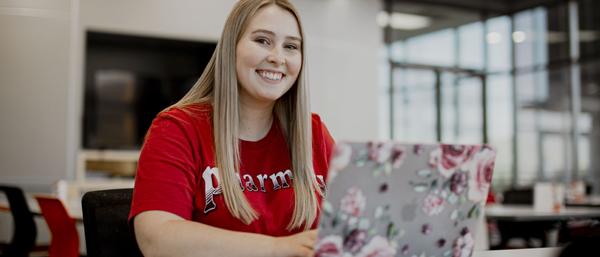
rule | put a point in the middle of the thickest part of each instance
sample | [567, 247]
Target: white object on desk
[590, 201]
[549, 197]
[576, 191]
[534, 252]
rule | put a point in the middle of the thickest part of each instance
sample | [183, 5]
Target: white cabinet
[89, 183]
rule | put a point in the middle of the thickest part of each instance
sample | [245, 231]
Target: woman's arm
[160, 233]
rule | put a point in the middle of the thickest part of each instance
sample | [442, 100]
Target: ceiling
[454, 13]
[492, 6]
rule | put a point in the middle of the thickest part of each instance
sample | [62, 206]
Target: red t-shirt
[176, 173]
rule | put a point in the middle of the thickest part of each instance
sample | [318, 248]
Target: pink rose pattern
[399, 156]
[329, 246]
[419, 149]
[449, 158]
[469, 167]
[433, 205]
[340, 158]
[355, 240]
[480, 174]
[463, 245]
[382, 153]
[378, 247]
[354, 202]
[458, 182]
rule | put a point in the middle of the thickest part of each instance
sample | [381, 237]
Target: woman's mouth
[270, 75]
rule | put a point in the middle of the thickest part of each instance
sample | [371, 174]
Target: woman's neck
[255, 121]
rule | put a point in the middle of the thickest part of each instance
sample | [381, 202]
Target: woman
[227, 170]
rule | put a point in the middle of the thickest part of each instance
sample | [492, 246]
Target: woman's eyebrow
[273, 34]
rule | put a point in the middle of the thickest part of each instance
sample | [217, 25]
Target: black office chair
[25, 232]
[105, 216]
[585, 246]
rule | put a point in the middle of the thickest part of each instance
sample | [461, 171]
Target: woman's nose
[276, 57]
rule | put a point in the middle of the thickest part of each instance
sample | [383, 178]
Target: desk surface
[588, 201]
[534, 252]
[526, 213]
[74, 209]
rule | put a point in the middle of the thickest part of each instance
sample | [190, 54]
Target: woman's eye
[291, 47]
[262, 41]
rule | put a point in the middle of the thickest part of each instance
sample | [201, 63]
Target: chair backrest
[105, 215]
[65, 239]
[25, 232]
[519, 196]
[582, 247]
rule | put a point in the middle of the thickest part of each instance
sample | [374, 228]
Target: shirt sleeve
[329, 142]
[323, 145]
[166, 178]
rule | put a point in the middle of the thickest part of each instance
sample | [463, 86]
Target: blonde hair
[218, 85]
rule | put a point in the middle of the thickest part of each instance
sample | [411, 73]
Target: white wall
[183, 19]
[41, 57]
[34, 68]
[343, 40]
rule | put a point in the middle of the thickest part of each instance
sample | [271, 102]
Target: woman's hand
[300, 244]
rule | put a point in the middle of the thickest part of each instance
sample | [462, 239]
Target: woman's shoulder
[316, 121]
[184, 122]
[193, 113]
[319, 130]
[322, 146]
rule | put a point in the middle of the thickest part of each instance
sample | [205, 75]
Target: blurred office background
[519, 75]
[80, 80]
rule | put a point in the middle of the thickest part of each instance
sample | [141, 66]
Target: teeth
[272, 76]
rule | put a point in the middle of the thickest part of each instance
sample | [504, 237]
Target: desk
[74, 209]
[535, 252]
[588, 201]
[523, 221]
[525, 213]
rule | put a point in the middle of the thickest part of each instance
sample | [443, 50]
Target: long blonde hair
[218, 85]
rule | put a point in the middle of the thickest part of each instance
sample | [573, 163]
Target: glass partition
[518, 82]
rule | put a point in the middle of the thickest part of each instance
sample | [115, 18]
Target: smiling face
[268, 56]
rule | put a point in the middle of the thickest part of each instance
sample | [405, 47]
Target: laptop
[393, 199]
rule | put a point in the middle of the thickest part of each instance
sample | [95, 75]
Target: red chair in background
[65, 239]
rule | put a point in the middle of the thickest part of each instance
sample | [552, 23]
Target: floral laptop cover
[391, 199]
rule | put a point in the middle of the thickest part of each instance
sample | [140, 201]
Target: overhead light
[493, 38]
[519, 36]
[405, 21]
[382, 19]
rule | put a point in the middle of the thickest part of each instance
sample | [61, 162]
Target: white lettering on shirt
[209, 190]
[213, 188]
[261, 179]
[281, 176]
[250, 183]
[321, 182]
